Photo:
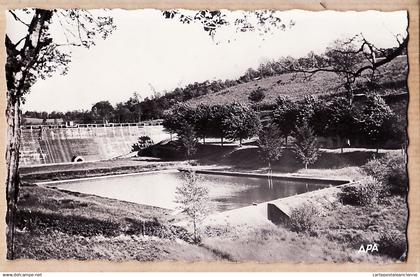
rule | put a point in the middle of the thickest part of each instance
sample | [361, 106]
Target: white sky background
[148, 49]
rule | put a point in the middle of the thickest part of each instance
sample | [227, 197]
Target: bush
[366, 192]
[393, 243]
[304, 218]
[391, 171]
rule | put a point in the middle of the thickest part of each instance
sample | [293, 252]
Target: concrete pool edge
[276, 176]
[43, 183]
[259, 214]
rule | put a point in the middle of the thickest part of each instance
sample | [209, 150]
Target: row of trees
[305, 146]
[238, 122]
[370, 121]
[101, 112]
[230, 121]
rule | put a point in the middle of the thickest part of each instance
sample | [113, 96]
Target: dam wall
[62, 144]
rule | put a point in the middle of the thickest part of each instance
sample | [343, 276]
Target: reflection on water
[158, 189]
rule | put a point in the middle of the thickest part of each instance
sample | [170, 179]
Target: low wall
[276, 211]
[275, 176]
[61, 145]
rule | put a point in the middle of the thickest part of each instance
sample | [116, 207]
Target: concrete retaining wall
[60, 145]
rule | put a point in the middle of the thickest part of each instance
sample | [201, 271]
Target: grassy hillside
[391, 76]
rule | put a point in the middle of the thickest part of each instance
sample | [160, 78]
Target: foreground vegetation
[55, 224]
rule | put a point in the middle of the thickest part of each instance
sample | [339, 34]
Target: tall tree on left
[39, 52]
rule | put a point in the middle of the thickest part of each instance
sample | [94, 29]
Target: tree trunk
[221, 140]
[342, 150]
[204, 140]
[306, 166]
[195, 232]
[12, 162]
[240, 142]
[286, 140]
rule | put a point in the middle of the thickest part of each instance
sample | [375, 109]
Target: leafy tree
[134, 106]
[219, 126]
[122, 113]
[351, 59]
[103, 110]
[187, 138]
[242, 123]
[203, 121]
[193, 201]
[143, 142]
[306, 109]
[257, 95]
[179, 115]
[285, 115]
[306, 144]
[270, 144]
[37, 54]
[320, 120]
[376, 120]
[342, 119]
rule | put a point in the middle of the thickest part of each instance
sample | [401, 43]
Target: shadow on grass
[249, 158]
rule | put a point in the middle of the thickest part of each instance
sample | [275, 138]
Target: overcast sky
[147, 51]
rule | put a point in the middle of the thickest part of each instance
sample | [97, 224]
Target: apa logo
[369, 248]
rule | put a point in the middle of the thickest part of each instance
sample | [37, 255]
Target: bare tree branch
[18, 18]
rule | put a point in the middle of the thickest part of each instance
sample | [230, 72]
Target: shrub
[366, 192]
[142, 143]
[391, 171]
[393, 243]
[304, 218]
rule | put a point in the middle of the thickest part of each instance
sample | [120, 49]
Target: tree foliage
[261, 21]
[142, 142]
[376, 120]
[219, 123]
[242, 123]
[233, 121]
[175, 118]
[38, 54]
[352, 59]
[270, 144]
[187, 137]
[203, 121]
[285, 115]
[103, 111]
[193, 201]
[306, 144]
[257, 95]
[342, 119]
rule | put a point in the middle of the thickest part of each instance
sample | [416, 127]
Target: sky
[148, 53]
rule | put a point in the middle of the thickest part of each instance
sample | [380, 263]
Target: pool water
[158, 189]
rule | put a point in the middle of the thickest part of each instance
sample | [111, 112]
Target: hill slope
[392, 80]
